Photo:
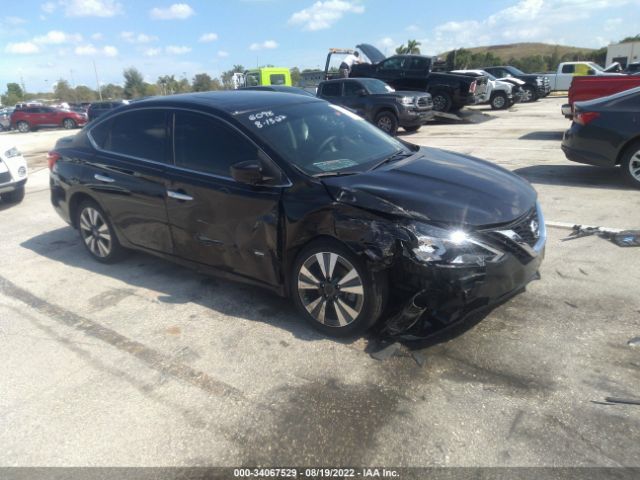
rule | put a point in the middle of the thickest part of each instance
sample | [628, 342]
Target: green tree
[63, 91]
[413, 47]
[13, 95]
[112, 92]
[184, 86]
[85, 94]
[295, 76]
[201, 82]
[134, 85]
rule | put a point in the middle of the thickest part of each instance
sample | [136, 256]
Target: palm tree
[412, 47]
[401, 50]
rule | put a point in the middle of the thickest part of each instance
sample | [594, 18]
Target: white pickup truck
[561, 80]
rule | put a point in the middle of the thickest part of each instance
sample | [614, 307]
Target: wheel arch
[625, 147]
[75, 201]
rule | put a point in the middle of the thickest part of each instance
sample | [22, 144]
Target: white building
[623, 53]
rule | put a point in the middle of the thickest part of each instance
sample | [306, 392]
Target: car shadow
[4, 205]
[175, 284]
[575, 176]
[551, 135]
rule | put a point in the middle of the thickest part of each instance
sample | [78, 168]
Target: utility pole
[97, 80]
[73, 82]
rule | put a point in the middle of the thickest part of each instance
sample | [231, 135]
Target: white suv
[13, 174]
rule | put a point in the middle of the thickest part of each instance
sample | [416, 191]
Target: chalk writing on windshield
[266, 119]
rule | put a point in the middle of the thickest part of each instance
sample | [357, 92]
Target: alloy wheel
[498, 102]
[385, 123]
[331, 289]
[23, 127]
[634, 166]
[527, 95]
[439, 102]
[95, 232]
[68, 124]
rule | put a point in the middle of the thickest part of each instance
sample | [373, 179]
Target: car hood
[441, 187]
[512, 80]
[399, 94]
[375, 55]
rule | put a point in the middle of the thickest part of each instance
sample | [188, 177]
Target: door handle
[102, 178]
[179, 196]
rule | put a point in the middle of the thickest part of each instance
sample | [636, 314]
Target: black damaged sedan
[306, 199]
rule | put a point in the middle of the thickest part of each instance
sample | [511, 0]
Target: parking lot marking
[152, 358]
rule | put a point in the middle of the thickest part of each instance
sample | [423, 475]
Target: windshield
[489, 76]
[516, 71]
[595, 66]
[376, 86]
[319, 138]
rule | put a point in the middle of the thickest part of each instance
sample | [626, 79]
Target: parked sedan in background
[606, 132]
[303, 198]
[13, 173]
[378, 103]
[32, 118]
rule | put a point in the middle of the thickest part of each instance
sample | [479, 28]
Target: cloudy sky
[42, 41]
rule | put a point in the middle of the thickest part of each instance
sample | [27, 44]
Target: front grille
[424, 102]
[5, 177]
[526, 230]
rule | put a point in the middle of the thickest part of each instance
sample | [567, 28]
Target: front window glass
[277, 79]
[320, 138]
[252, 79]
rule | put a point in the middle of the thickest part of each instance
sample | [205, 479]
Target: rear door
[416, 71]
[215, 220]
[127, 175]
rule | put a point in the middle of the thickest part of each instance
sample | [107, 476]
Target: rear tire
[499, 101]
[415, 128]
[442, 101]
[630, 164]
[97, 233]
[387, 122]
[334, 290]
[14, 197]
[23, 127]
[69, 123]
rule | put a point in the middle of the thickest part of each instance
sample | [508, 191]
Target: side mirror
[362, 92]
[591, 72]
[249, 172]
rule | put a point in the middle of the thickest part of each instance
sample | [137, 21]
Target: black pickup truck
[536, 86]
[450, 92]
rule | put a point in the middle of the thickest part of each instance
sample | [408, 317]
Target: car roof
[230, 101]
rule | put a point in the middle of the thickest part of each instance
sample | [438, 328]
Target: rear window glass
[277, 79]
[568, 68]
[331, 89]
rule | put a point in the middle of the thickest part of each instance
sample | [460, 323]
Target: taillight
[472, 87]
[583, 118]
[52, 158]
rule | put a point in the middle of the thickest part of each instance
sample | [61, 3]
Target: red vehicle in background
[32, 118]
[590, 87]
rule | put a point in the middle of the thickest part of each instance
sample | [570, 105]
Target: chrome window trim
[172, 164]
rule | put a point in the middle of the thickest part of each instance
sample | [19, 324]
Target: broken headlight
[455, 247]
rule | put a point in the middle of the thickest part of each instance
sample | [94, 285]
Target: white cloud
[48, 7]
[110, 51]
[412, 28]
[527, 20]
[152, 52]
[386, 42]
[324, 14]
[57, 37]
[177, 11]
[612, 24]
[266, 45]
[22, 48]
[92, 8]
[132, 37]
[13, 21]
[90, 49]
[223, 53]
[97, 36]
[208, 37]
[177, 50]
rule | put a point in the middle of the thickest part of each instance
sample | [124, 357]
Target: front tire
[23, 127]
[97, 233]
[529, 94]
[15, 196]
[387, 122]
[68, 123]
[630, 164]
[334, 291]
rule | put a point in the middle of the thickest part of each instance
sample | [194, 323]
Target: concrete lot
[145, 363]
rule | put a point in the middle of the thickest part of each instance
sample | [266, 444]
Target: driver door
[391, 71]
[215, 220]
